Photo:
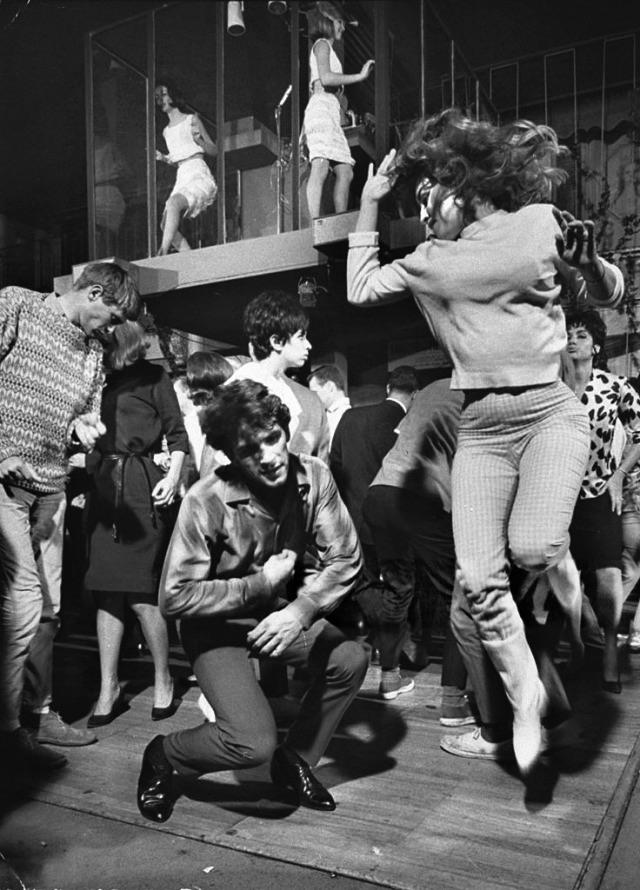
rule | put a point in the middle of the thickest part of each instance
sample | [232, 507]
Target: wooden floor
[409, 815]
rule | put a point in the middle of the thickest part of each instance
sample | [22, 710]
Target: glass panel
[119, 140]
[186, 64]
[257, 75]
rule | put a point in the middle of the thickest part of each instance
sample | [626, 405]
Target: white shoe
[527, 733]
[633, 641]
[207, 711]
[471, 744]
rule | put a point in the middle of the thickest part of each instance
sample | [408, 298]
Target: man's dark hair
[118, 287]
[273, 313]
[404, 379]
[326, 373]
[241, 409]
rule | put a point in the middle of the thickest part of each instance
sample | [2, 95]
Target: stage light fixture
[277, 7]
[235, 19]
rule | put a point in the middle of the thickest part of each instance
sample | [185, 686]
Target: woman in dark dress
[130, 513]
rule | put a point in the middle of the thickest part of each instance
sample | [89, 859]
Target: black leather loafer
[155, 799]
[289, 770]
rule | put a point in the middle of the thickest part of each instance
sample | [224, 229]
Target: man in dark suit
[361, 440]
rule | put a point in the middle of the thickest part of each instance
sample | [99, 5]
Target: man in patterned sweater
[50, 388]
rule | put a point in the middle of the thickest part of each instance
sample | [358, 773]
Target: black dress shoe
[119, 707]
[289, 770]
[614, 686]
[155, 799]
[163, 713]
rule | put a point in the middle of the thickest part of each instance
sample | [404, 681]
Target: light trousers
[31, 541]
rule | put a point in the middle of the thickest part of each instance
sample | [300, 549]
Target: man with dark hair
[328, 384]
[50, 389]
[276, 327]
[362, 438]
[262, 549]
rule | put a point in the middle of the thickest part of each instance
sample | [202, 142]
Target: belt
[120, 460]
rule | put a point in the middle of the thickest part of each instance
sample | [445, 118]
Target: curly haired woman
[485, 281]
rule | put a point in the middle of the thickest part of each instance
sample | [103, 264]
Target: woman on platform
[322, 131]
[485, 281]
[129, 514]
[195, 188]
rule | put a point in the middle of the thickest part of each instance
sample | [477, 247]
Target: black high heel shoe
[119, 707]
[169, 711]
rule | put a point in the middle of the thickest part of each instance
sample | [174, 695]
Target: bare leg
[610, 599]
[180, 243]
[110, 629]
[343, 174]
[174, 208]
[315, 183]
[154, 628]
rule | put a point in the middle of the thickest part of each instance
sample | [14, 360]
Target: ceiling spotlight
[235, 19]
[277, 7]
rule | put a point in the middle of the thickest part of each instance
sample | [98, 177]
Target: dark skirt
[126, 536]
[596, 534]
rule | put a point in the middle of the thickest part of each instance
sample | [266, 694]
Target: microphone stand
[279, 165]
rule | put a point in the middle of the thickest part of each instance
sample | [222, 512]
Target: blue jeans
[31, 539]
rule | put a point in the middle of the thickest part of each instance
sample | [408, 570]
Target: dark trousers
[244, 734]
[407, 530]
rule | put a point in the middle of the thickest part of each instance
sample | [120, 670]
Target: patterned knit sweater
[49, 374]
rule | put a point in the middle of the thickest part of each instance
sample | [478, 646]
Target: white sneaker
[633, 641]
[393, 684]
[471, 744]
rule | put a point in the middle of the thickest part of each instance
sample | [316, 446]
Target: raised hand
[367, 68]
[576, 245]
[378, 183]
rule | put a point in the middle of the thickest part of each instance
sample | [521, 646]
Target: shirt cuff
[363, 239]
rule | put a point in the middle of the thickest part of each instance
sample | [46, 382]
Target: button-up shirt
[224, 535]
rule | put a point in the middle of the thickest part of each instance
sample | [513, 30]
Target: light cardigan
[490, 297]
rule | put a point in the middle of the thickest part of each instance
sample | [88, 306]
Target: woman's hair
[273, 313]
[240, 410]
[591, 321]
[509, 166]
[177, 96]
[130, 342]
[205, 372]
[321, 18]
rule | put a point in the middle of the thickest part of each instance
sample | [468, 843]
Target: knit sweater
[49, 374]
[490, 297]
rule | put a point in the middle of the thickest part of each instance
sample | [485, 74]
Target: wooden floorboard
[409, 815]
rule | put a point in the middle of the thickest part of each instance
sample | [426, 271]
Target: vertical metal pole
[278, 113]
[477, 99]
[88, 107]
[294, 24]
[423, 65]
[381, 72]
[221, 9]
[453, 74]
[152, 208]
